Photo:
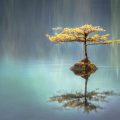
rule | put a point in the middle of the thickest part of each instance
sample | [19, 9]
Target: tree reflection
[84, 68]
[88, 101]
[78, 101]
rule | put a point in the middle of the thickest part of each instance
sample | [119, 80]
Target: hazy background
[24, 24]
[32, 68]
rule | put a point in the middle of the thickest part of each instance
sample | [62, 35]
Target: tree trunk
[85, 47]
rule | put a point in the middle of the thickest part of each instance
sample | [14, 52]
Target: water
[25, 90]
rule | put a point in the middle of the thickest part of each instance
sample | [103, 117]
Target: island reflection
[87, 101]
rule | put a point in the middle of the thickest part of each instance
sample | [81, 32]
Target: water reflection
[77, 100]
[87, 101]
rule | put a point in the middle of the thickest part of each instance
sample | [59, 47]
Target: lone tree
[82, 34]
[84, 68]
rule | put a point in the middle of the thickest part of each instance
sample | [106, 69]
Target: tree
[84, 68]
[82, 34]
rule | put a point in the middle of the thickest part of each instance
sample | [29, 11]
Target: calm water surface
[26, 88]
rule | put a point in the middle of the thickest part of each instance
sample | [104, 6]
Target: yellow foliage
[75, 31]
[61, 38]
[104, 37]
[95, 37]
[88, 28]
[79, 34]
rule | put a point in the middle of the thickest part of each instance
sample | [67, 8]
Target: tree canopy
[82, 34]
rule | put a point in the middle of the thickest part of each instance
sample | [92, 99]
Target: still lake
[26, 88]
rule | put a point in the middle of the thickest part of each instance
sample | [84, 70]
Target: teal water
[26, 87]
